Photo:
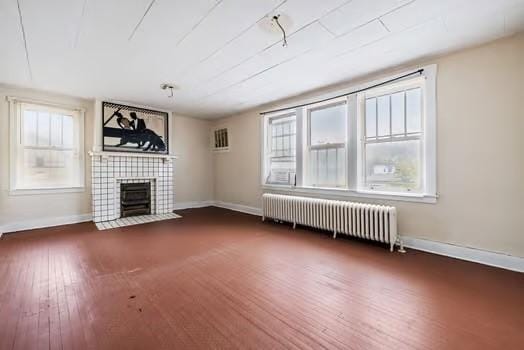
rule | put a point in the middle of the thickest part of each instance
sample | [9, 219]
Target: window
[326, 156]
[47, 147]
[221, 140]
[281, 146]
[377, 142]
[393, 139]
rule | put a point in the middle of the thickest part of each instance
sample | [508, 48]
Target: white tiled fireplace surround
[110, 170]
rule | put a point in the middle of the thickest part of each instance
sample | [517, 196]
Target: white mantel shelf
[130, 154]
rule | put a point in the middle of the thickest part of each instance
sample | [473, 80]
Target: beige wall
[194, 167]
[193, 179]
[15, 209]
[480, 137]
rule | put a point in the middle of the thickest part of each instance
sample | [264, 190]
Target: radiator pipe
[401, 245]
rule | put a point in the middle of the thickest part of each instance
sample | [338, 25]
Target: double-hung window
[47, 147]
[392, 150]
[376, 142]
[281, 146]
[327, 142]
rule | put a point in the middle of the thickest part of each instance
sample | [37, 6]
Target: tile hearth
[135, 220]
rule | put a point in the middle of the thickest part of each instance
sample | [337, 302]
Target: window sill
[26, 192]
[345, 194]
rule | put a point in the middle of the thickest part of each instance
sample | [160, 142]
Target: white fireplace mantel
[130, 154]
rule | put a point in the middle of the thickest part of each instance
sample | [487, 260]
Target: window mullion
[299, 156]
[352, 146]
[405, 115]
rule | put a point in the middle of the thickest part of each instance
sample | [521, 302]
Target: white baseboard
[459, 252]
[485, 257]
[44, 222]
[194, 204]
[238, 207]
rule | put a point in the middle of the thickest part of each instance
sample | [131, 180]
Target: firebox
[135, 199]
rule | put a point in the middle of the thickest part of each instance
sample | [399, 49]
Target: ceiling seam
[285, 61]
[273, 44]
[141, 19]
[195, 26]
[241, 33]
[254, 75]
[258, 53]
[25, 40]
[293, 58]
[80, 22]
[320, 22]
[306, 52]
[383, 25]
[326, 28]
[234, 38]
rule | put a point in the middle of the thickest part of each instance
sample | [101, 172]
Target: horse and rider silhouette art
[133, 130]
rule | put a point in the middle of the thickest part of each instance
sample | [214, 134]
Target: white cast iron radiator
[374, 222]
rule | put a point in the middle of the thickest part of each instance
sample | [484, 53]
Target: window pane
[414, 110]
[397, 113]
[278, 129]
[383, 115]
[286, 145]
[371, 117]
[43, 128]
[30, 129]
[68, 131]
[56, 130]
[332, 167]
[394, 165]
[38, 166]
[281, 158]
[322, 167]
[327, 167]
[44, 168]
[286, 128]
[328, 125]
[313, 167]
[341, 167]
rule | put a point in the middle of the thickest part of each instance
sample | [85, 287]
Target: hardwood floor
[220, 279]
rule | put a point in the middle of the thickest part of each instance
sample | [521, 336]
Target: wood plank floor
[220, 279]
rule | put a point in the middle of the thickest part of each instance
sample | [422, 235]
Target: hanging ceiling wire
[275, 19]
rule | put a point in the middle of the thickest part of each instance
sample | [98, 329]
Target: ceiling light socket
[170, 87]
[269, 25]
[166, 86]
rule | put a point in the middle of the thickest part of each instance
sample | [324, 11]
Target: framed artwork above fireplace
[134, 129]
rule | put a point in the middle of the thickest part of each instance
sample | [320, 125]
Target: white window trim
[264, 144]
[361, 133]
[430, 155]
[308, 147]
[14, 120]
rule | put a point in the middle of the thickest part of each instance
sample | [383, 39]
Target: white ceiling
[217, 51]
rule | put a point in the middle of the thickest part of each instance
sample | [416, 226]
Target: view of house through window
[393, 141]
[49, 149]
[372, 141]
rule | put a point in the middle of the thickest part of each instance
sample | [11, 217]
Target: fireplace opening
[135, 199]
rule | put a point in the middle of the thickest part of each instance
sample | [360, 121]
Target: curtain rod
[420, 71]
